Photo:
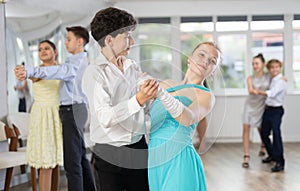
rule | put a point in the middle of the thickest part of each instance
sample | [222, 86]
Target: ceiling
[25, 16]
[29, 15]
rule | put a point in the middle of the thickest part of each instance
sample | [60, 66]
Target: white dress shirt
[116, 116]
[276, 92]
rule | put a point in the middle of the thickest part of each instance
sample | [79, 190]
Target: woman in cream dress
[45, 146]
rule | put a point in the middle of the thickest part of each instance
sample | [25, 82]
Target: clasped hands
[148, 88]
[257, 92]
[20, 72]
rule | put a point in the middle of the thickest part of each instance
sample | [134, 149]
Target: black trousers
[121, 168]
[77, 166]
[22, 105]
[271, 122]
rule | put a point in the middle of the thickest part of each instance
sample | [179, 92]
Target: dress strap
[179, 87]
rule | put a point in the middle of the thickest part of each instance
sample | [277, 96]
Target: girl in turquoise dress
[174, 164]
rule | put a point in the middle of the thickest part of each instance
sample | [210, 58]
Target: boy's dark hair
[80, 32]
[273, 61]
[111, 21]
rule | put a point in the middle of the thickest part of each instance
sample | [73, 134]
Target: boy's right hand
[147, 91]
[20, 72]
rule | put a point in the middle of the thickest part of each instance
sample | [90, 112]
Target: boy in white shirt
[117, 105]
[272, 116]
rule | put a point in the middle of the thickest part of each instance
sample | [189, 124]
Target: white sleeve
[173, 105]
[100, 101]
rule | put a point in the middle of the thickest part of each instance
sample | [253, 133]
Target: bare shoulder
[204, 98]
[168, 83]
[204, 93]
[249, 78]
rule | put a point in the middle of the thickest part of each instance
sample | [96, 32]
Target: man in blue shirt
[73, 111]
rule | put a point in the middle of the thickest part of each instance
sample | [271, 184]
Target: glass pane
[267, 25]
[152, 28]
[34, 55]
[296, 24]
[192, 27]
[233, 49]
[296, 60]
[269, 44]
[93, 49]
[152, 49]
[232, 26]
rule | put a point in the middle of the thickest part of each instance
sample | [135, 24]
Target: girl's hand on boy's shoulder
[284, 78]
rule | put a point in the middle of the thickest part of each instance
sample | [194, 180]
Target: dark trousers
[77, 166]
[22, 105]
[121, 168]
[271, 122]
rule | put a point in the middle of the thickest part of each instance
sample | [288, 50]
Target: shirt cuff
[29, 71]
[133, 105]
[268, 92]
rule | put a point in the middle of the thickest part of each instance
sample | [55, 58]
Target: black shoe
[277, 168]
[267, 160]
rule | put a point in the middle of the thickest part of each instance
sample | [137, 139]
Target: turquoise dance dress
[174, 164]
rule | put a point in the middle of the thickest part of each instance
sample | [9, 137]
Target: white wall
[227, 118]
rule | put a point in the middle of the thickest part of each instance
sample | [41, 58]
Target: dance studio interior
[166, 33]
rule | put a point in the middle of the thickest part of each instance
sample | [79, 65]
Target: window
[269, 44]
[233, 47]
[296, 22]
[296, 60]
[296, 50]
[267, 22]
[232, 23]
[194, 30]
[152, 49]
[232, 40]
[267, 36]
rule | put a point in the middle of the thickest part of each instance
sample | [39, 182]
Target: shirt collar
[80, 54]
[278, 76]
[101, 60]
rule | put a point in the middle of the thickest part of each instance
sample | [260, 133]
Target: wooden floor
[224, 171]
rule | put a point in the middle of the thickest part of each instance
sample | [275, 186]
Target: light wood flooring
[224, 172]
[223, 167]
